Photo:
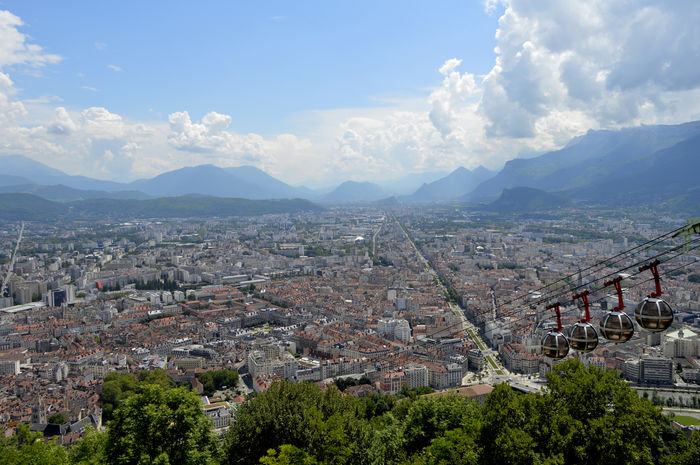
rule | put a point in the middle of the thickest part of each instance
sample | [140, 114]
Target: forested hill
[587, 416]
[33, 208]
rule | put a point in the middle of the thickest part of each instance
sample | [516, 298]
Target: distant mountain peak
[458, 183]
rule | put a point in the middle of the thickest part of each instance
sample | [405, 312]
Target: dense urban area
[377, 301]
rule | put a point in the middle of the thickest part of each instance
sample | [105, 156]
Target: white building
[9, 367]
[681, 343]
[416, 375]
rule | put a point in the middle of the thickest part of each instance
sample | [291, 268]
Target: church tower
[39, 411]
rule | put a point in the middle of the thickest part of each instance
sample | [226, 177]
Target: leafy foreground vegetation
[588, 416]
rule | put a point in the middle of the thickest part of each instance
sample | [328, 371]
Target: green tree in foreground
[299, 415]
[90, 450]
[687, 451]
[161, 426]
[587, 416]
[29, 448]
[120, 386]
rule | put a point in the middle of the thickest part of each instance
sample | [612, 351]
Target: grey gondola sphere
[555, 345]
[617, 327]
[582, 337]
[653, 314]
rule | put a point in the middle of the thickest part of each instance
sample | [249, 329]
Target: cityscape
[349, 233]
[421, 297]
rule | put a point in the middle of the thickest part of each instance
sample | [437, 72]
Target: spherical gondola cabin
[554, 344]
[582, 335]
[617, 326]
[653, 313]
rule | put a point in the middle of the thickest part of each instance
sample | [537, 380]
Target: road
[494, 366]
[374, 240]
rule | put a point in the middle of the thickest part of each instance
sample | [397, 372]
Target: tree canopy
[163, 426]
[585, 416]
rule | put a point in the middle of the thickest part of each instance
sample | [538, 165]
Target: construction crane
[12, 262]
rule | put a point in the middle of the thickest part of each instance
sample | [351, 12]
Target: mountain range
[604, 165]
[640, 165]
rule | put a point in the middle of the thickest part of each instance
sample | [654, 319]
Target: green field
[685, 420]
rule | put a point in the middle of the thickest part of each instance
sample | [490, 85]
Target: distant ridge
[63, 193]
[27, 207]
[587, 159]
[353, 192]
[33, 208]
[601, 167]
[458, 183]
[526, 199]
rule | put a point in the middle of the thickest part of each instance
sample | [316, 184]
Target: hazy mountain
[33, 208]
[458, 183]
[9, 180]
[585, 159]
[27, 207]
[352, 191]
[62, 193]
[665, 174]
[18, 165]
[239, 182]
[189, 206]
[35, 172]
[526, 199]
[408, 184]
[203, 179]
[273, 187]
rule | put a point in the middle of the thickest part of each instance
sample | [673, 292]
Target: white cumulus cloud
[560, 68]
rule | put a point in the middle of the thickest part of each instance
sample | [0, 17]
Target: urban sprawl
[397, 298]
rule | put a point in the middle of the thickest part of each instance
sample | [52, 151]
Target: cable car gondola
[652, 313]
[582, 335]
[554, 344]
[617, 326]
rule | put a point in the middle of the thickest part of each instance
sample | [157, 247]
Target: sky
[319, 92]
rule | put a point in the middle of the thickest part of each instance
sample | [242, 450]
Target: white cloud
[560, 69]
[63, 123]
[15, 49]
[115, 68]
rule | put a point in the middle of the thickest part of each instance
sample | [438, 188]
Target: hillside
[27, 207]
[586, 159]
[33, 208]
[526, 199]
[189, 206]
[458, 183]
[61, 193]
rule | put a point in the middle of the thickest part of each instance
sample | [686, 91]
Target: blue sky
[259, 62]
[320, 92]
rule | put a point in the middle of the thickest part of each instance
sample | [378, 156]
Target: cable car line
[650, 243]
[609, 275]
[591, 302]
